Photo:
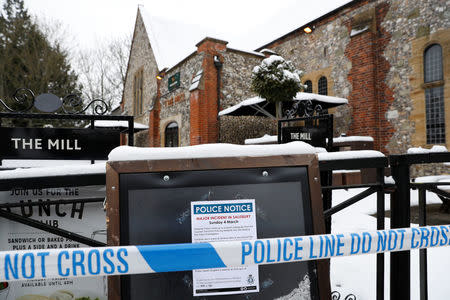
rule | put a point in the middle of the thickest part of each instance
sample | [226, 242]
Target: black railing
[379, 163]
[401, 217]
[400, 268]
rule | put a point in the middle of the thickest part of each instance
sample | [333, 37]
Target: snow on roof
[117, 123]
[300, 96]
[54, 171]
[247, 51]
[247, 102]
[172, 40]
[350, 154]
[358, 31]
[196, 80]
[434, 149]
[208, 150]
[266, 50]
[161, 60]
[265, 139]
[354, 138]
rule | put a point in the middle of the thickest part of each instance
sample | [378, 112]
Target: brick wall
[204, 102]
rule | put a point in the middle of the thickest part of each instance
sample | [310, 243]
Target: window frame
[434, 98]
[168, 134]
[320, 84]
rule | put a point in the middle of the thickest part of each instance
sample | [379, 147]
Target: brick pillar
[204, 102]
[370, 97]
[384, 93]
[362, 76]
[153, 130]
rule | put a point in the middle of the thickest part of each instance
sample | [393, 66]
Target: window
[171, 135]
[308, 86]
[322, 86]
[138, 105]
[434, 95]
[433, 63]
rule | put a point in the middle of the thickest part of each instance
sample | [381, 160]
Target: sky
[245, 24]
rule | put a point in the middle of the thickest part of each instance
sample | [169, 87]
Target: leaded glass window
[433, 63]
[434, 95]
[308, 86]
[434, 103]
[323, 86]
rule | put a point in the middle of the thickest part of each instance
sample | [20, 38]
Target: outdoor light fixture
[159, 76]
[307, 29]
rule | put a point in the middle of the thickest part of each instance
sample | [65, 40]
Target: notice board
[154, 202]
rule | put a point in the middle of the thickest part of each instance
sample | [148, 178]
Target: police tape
[78, 262]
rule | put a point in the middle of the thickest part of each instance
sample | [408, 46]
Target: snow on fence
[78, 262]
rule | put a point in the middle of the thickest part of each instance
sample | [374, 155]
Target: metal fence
[400, 268]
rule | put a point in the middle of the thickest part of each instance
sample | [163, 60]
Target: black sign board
[57, 143]
[316, 131]
[152, 206]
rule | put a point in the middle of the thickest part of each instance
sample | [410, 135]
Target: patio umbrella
[258, 106]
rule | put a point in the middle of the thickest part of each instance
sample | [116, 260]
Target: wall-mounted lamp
[161, 74]
[307, 29]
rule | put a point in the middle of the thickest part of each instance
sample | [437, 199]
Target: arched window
[434, 95]
[171, 135]
[322, 86]
[308, 84]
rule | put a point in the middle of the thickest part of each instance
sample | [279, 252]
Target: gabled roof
[171, 40]
[161, 61]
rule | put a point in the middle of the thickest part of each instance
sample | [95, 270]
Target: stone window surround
[162, 128]
[314, 78]
[418, 85]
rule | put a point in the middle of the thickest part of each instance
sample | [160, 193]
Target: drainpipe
[218, 66]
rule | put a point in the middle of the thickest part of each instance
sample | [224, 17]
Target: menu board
[86, 219]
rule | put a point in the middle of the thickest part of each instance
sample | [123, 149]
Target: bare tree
[102, 70]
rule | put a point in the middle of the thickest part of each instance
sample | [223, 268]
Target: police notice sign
[229, 220]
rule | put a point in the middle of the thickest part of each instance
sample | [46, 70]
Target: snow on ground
[66, 170]
[357, 274]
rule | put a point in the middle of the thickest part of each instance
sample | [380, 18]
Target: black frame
[116, 169]
[60, 181]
